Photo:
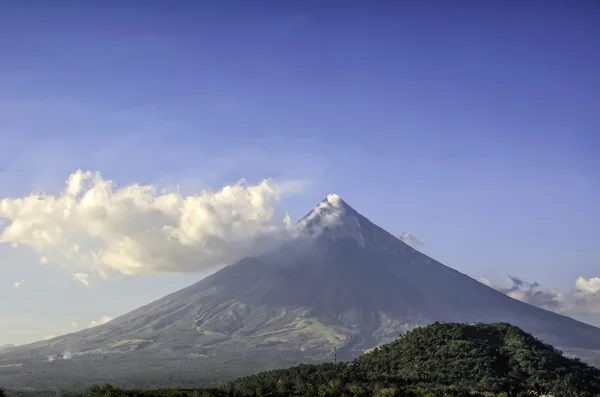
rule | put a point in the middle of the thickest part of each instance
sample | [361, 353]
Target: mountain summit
[334, 218]
[343, 284]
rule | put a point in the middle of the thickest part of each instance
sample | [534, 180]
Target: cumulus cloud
[587, 295]
[103, 320]
[410, 239]
[582, 299]
[135, 229]
[589, 286]
[18, 283]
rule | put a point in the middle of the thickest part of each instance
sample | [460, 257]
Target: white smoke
[328, 213]
[131, 230]
[334, 200]
[66, 355]
[410, 239]
[18, 284]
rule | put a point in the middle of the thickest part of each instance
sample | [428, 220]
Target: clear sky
[473, 125]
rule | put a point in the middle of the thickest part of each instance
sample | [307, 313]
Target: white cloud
[74, 325]
[18, 283]
[410, 239]
[588, 286]
[43, 260]
[486, 282]
[582, 300]
[587, 295]
[83, 278]
[103, 320]
[103, 228]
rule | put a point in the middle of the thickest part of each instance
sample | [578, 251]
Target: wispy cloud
[83, 278]
[102, 320]
[582, 299]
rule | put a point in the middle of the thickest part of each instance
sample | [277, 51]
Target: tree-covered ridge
[443, 359]
[478, 357]
[490, 357]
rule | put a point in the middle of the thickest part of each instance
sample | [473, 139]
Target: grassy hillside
[441, 359]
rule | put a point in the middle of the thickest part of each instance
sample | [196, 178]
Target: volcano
[342, 286]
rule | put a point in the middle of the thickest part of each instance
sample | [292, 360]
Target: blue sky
[473, 126]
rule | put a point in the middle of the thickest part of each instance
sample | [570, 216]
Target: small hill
[481, 358]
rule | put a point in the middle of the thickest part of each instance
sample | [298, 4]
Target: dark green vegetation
[476, 358]
[441, 359]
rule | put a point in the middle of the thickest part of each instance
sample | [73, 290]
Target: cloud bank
[101, 228]
[582, 300]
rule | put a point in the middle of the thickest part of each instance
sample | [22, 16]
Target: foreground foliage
[441, 359]
[492, 358]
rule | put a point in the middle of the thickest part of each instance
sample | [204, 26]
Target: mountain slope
[342, 283]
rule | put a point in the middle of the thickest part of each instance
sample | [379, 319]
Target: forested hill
[493, 358]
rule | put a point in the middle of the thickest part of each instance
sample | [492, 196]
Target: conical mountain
[344, 283]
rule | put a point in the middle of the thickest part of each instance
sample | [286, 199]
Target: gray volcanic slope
[345, 284]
